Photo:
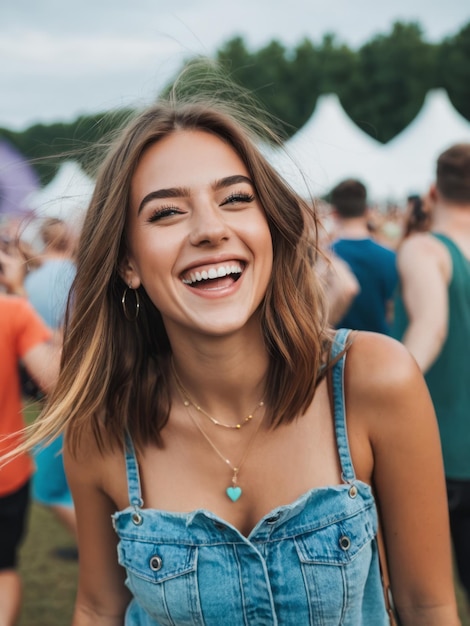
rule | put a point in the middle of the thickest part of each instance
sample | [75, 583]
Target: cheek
[265, 242]
[263, 248]
[151, 253]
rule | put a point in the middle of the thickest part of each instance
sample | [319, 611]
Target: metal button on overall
[344, 543]
[156, 563]
[137, 518]
[353, 491]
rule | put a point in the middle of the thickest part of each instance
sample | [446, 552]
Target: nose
[208, 226]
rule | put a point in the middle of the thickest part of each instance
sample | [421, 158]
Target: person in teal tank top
[432, 318]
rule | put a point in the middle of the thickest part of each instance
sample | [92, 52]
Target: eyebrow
[182, 192]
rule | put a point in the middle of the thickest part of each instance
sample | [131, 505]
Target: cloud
[59, 60]
[81, 53]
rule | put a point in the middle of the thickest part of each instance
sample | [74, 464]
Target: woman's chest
[239, 484]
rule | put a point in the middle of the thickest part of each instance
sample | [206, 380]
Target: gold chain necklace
[234, 491]
[187, 400]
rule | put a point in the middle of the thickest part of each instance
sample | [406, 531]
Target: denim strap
[133, 478]
[337, 380]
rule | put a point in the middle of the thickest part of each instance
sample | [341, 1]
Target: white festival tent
[327, 149]
[66, 197]
[331, 147]
[409, 159]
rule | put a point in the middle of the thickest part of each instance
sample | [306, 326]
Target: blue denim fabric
[313, 561]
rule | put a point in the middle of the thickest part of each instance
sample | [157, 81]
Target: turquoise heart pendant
[233, 493]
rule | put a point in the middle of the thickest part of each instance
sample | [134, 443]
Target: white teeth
[212, 273]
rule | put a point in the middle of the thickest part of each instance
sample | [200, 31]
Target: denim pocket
[336, 561]
[337, 543]
[163, 579]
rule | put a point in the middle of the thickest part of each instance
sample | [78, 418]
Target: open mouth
[214, 277]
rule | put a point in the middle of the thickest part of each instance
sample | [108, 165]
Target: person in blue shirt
[373, 264]
[47, 288]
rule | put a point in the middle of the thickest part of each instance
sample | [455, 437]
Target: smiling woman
[216, 440]
[181, 240]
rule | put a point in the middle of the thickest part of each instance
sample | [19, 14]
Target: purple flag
[18, 180]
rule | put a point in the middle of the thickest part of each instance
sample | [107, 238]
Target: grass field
[49, 584]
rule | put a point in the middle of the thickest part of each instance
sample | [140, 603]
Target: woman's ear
[128, 273]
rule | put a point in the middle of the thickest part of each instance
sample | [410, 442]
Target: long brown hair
[114, 372]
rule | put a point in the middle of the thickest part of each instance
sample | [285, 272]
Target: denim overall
[311, 562]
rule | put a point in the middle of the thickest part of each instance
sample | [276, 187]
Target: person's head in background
[350, 210]
[418, 215]
[57, 237]
[349, 199]
[452, 186]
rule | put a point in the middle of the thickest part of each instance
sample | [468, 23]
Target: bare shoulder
[387, 398]
[423, 244]
[421, 241]
[88, 461]
[379, 364]
[373, 356]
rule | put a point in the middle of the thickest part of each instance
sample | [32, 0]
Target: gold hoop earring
[124, 305]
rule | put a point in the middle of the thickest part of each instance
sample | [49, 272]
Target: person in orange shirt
[25, 337]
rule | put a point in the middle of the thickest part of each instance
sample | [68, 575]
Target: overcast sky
[59, 60]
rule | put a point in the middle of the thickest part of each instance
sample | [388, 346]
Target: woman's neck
[223, 377]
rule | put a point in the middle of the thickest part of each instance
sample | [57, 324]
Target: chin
[222, 327]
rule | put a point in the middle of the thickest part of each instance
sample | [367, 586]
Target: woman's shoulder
[379, 366]
[90, 451]
[385, 391]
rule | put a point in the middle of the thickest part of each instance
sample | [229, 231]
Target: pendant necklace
[234, 491]
[188, 400]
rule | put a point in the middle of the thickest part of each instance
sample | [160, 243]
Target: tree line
[381, 86]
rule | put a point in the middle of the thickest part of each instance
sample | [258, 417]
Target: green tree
[267, 74]
[381, 85]
[47, 145]
[453, 69]
[327, 68]
[396, 71]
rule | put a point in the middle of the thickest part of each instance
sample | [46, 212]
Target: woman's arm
[395, 445]
[102, 596]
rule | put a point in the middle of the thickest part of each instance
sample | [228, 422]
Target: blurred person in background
[47, 288]
[23, 337]
[373, 264]
[432, 319]
[339, 282]
[418, 215]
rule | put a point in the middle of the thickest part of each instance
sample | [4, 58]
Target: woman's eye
[233, 198]
[163, 212]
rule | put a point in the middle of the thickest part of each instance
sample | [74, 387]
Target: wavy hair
[114, 373]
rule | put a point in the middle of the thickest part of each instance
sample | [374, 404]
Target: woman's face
[198, 238]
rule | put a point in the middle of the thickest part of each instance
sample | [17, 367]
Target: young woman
[214, 480]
